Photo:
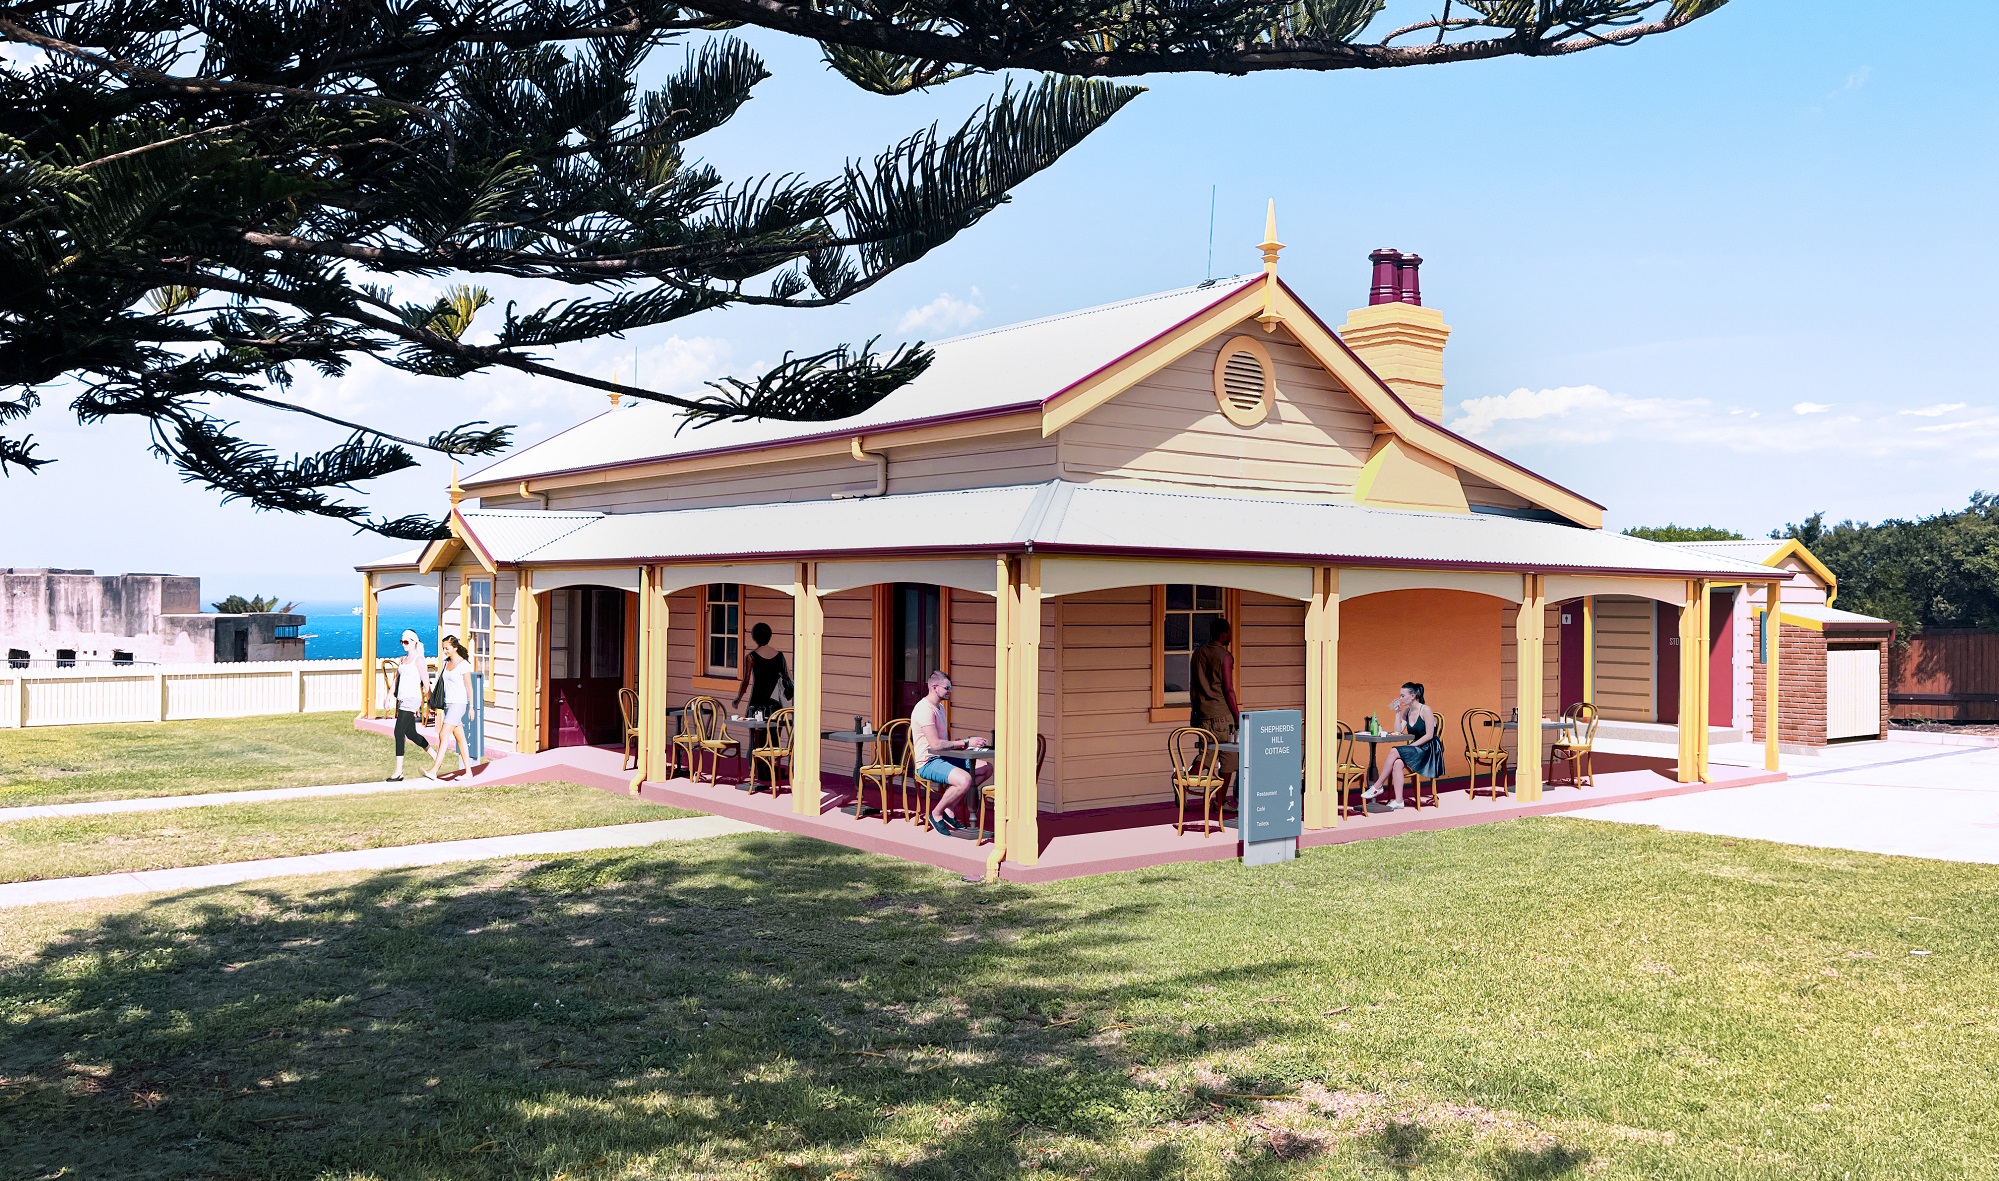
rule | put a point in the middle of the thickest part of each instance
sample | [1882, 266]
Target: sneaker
[945, 825]
[1372, 793]
[1394, 805]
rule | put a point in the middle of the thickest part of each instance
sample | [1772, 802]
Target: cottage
[1051, 513]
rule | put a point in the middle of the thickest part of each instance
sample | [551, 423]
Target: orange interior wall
[1447, 641]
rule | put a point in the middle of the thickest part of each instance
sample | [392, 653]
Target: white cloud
[1810, 408]
[1941, 408]
[1530, 420]
[945, 314]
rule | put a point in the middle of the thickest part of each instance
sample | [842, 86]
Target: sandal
[393, 779]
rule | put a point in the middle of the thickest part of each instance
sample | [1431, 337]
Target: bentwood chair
[1194, 756]
[1483, 724]
[776, 749]
[628, 709]
[1351, 776]
[1574, 746]
[893, 752]
[986, 792]
[715, 737]
[697, 724]
[1418, 784]
[388, 669]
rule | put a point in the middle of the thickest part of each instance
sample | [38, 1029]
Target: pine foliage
[201, 199]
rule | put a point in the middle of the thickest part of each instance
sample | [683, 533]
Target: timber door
[1666, 665]
[1721, 658]
[1572, 647]
[586, 665]
[917, 648]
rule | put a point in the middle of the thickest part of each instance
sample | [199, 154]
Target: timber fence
[176, 692]
[1946, 674]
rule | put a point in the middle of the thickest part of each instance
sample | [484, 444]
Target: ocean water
[332, 628]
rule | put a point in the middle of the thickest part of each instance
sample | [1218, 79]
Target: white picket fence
[176, 692]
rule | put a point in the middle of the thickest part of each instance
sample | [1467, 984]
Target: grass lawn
[66, 764]
[1537, 999]
[75, 845]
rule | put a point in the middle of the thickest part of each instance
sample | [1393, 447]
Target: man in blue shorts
[931, 733]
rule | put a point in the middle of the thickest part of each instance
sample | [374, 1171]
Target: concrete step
[1664, 735]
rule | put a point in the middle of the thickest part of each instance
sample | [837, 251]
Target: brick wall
[1801, 690]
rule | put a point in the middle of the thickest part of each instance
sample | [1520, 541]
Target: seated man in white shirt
[931, 732]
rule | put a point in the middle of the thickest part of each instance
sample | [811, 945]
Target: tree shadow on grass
[1537, 1164]
[766, 1007]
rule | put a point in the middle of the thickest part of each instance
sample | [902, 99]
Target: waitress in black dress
[762, 675]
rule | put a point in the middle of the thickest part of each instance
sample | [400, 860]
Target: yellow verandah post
[652, 676]
[1026, 695]
[1322, 687]
[809, 637]
[1690, 672]
[368, 655]
[527, 664]
[1529, 629]
[1704, 689]
[1773, 631]
[1006, 590]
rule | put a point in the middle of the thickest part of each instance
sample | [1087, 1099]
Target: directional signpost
[1271, 785]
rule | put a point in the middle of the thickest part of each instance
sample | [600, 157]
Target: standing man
[1213, 690]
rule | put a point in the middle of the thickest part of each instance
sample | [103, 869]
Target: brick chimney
[1399, 338]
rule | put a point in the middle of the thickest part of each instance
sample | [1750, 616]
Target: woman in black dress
[762, 675]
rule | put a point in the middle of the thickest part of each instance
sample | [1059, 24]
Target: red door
[586, 664]
[1721, 658]
[1667, 663]
[1572, 654]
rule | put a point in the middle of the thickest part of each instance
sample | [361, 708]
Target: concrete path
[1911, 800]
[197, 877]
[208, 799]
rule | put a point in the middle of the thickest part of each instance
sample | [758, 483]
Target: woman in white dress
[456, 676]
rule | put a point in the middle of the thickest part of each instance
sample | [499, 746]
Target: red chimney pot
[1408, 287]
[1385, 288]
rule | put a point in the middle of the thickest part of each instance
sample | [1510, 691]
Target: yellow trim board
[439, 555]
[1784, 617]
[1792, 547]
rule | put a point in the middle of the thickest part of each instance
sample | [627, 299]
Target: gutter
[526, 495]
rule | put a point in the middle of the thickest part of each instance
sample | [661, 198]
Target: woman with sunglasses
[412, 686]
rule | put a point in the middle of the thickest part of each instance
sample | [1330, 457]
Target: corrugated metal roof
[406, 559]
[1016, 365]
[1743, 551]
[1826, 614]
[1062, 517]
[506, 534]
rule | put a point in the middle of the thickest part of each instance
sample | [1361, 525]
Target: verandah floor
[1077, 844]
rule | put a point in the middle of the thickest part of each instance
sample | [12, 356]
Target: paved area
[1908, 799]
[197, 877]
[209, 799]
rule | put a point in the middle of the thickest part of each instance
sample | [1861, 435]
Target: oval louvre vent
[1245, 381]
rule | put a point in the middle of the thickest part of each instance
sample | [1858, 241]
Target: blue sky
[1732, 275]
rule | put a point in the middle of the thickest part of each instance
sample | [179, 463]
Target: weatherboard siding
[1169, 430]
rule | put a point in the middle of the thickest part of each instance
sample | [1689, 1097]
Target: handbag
[437, 692]
[783, 694]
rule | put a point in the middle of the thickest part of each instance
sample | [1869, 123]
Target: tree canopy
[200, 199]
[1672, 532]
[1935, 571]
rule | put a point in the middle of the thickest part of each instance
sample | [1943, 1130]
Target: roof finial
[616, 397]
[457, 491]
[1270, 245]
[1269, 317]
